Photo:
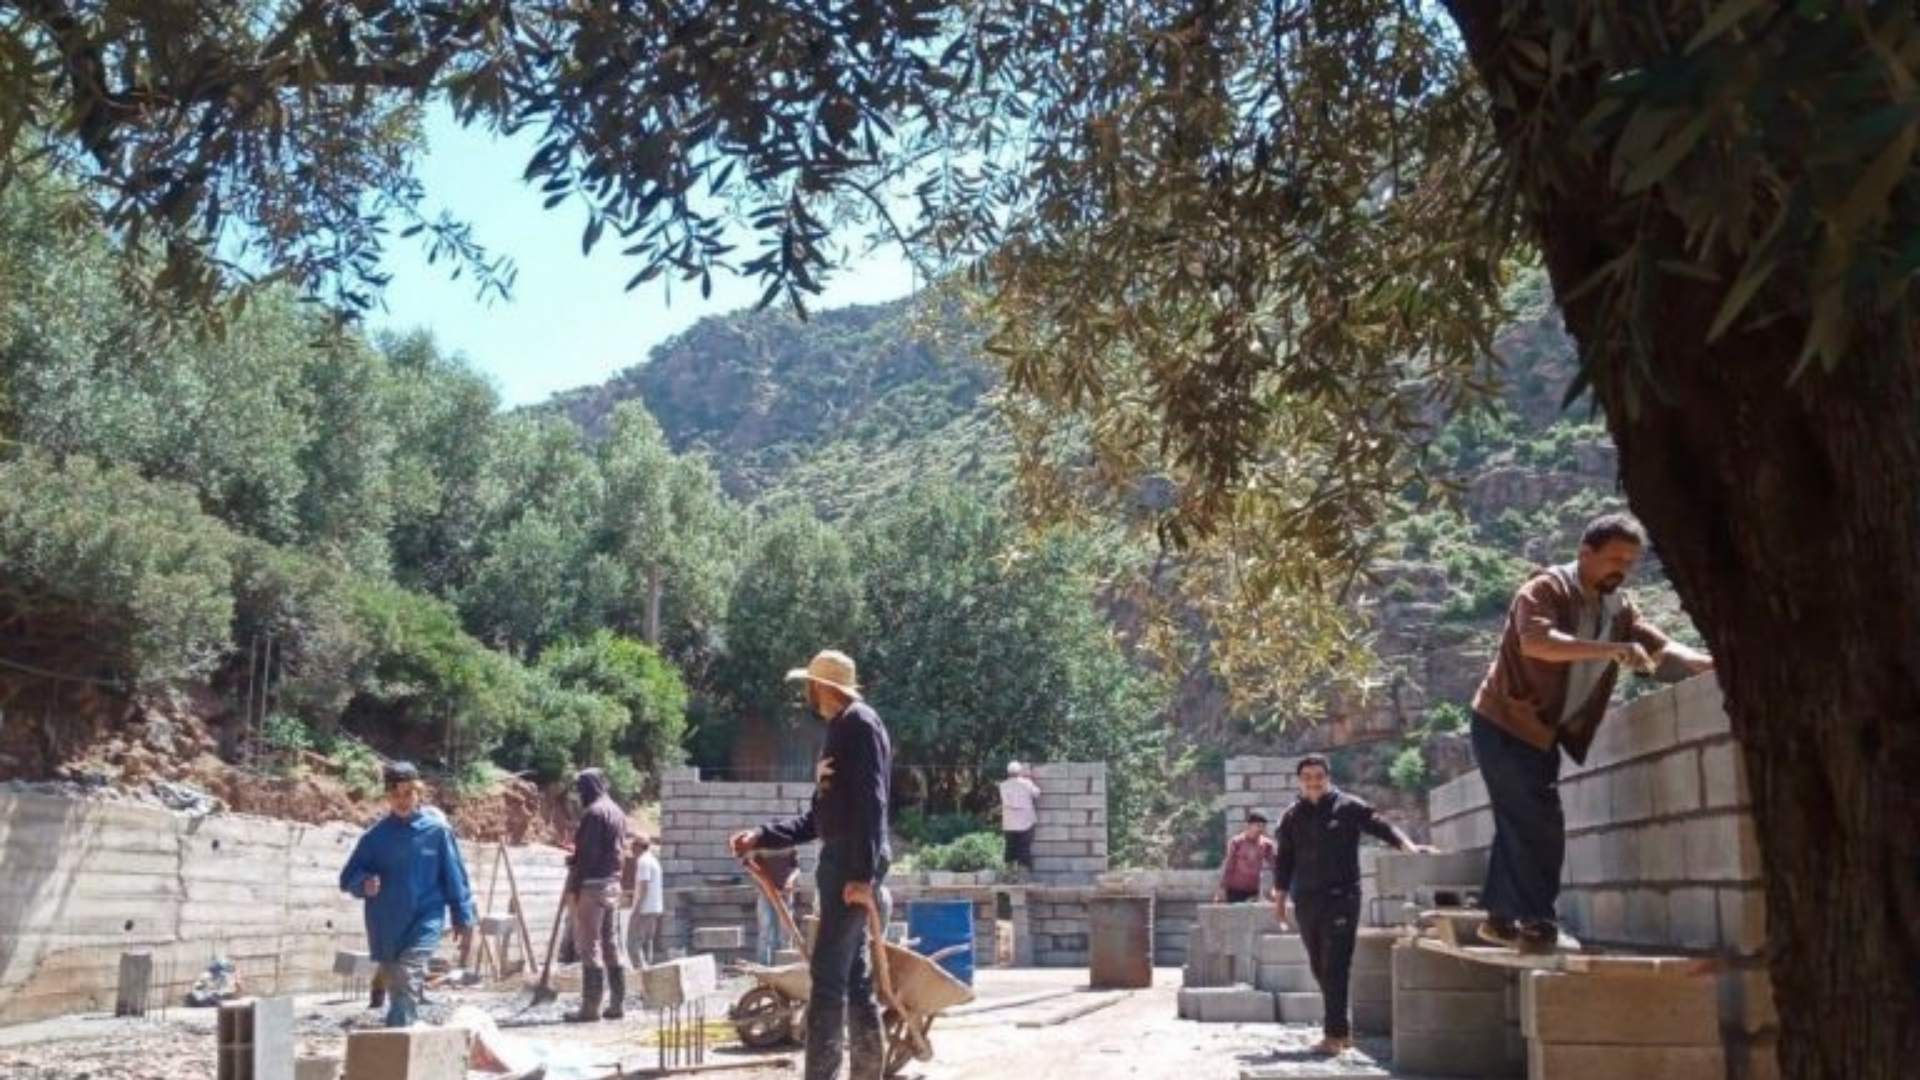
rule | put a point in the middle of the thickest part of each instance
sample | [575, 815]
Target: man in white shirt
[649, 905]
[1019, 813]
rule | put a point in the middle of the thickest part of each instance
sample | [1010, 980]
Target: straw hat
[833, 668]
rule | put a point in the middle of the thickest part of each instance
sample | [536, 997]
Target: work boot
[866, 1043]
[826, 1039]
[593, 984]
[616, 994]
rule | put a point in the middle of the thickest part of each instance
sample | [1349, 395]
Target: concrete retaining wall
[86, 881]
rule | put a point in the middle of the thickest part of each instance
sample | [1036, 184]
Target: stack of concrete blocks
[1454, 1017]
[1220, 982]
[680, 981]
[1283, 972]
[1370, 985]
[1070, 841]
[415, 1053]
[1598, 1027]
[255, 1039]
[1661, 851]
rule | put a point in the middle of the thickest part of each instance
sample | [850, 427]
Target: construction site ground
[1024, 1023]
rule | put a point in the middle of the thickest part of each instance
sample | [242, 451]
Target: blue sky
[569, 322]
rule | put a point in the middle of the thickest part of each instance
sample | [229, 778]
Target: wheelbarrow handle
[772, 894]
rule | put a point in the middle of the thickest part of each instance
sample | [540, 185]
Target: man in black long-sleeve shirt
[1318, 861]
[848, 816]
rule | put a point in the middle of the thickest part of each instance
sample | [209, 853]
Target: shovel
[543, 991]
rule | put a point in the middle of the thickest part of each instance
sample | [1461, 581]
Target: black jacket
[849, 809]
[600, 840]
[1320, 844]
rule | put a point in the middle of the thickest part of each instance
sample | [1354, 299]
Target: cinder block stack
[1070, 841]
[1453, 1017]
[1599, 1027]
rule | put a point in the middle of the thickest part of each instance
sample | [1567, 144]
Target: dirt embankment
[169, 754]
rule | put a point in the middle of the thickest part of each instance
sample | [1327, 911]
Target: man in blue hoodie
[593, 895]
[848, 816]
[407, 869]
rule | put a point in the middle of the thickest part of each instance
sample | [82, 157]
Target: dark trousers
[1329, 927]
[1019, 848]
[840, 968]
[1529, 829]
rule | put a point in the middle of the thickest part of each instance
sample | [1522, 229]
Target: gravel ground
[1026, 1023]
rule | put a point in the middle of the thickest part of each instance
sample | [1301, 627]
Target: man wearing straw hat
[848, 815]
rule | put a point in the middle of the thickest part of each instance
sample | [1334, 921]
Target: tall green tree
[1282, 224]
[635, 676]
[992, 648]
[797, 593]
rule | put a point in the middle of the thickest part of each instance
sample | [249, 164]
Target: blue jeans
[772, 932]
[841, 968]
[406, 979]
[1529, 828]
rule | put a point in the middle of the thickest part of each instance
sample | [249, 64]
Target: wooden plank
[1574, 963]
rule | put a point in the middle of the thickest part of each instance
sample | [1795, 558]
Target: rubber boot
[616, 994]
[866, 1043]
[593, 984]
[826, 1039]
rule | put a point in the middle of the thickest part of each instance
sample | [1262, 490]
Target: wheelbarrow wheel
[761, 1018]
[900, 1042]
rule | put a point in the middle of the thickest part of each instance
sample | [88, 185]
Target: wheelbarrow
[914, 990]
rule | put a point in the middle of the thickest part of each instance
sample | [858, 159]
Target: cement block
[1562, 1061]
[1285, 978]
[1300, 1008]
[1373, 1018]
[135, 991]
[353, 965]
[1448, 1053]
[1226, 1005]
[1676, 783]
[1400, 874]
[1483, 1011]
[415, 1053]
[1678, 1010]
[1282, 949]
[255, 1039]
[679, 981]
[316, 1068]
[710, 938]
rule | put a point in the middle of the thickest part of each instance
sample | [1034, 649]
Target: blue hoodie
[421, 876]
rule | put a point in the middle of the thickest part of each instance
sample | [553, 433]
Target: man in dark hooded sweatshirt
[593, 895]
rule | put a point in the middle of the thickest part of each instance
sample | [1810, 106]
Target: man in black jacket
[1318, 862]
[593, 894]
[848, 816]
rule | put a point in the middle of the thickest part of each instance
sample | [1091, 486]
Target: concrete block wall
[1070, 840]
[697, 817]
[1267, 784]
[87, 881]
[1661, 851]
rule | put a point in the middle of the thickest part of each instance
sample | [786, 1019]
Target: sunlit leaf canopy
[1237, 254]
